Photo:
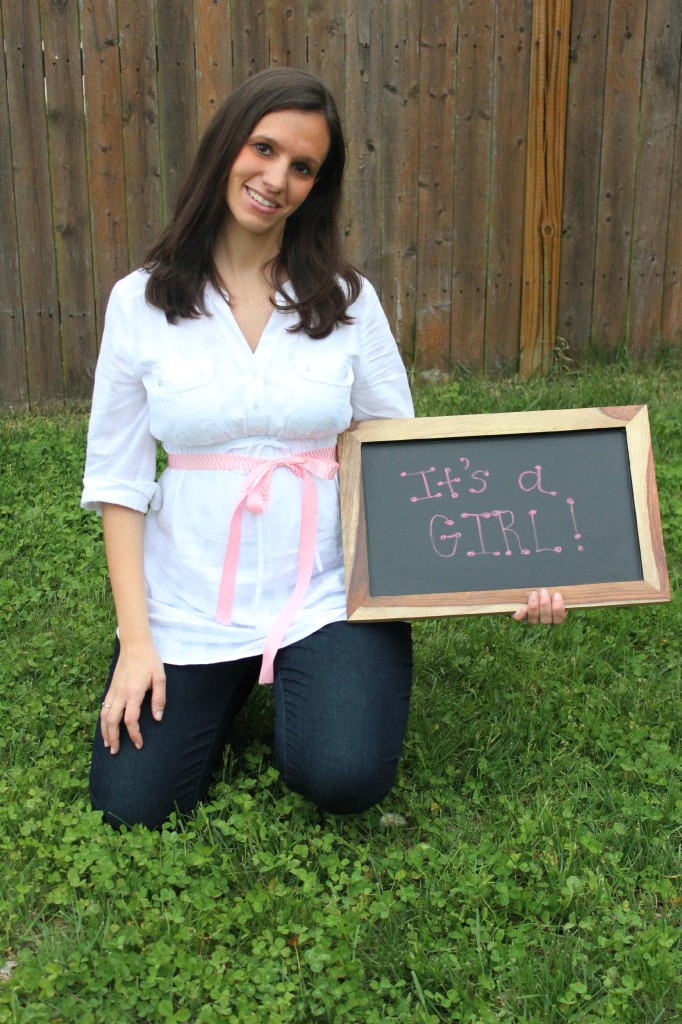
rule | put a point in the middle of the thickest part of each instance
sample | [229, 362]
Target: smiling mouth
[261, 200]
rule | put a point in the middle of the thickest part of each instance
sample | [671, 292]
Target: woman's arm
[139, 666]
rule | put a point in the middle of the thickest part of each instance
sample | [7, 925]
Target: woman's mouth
[261, 200]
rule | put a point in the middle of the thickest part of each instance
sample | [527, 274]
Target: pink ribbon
[255, 494]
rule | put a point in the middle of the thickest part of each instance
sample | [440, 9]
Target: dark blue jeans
[341, 703]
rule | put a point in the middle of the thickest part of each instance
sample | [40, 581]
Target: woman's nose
[274, 176]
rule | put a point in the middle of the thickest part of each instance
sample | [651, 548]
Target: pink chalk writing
[536, 476]
[507, 530]
[423, 473]
[478, 516]
[490, 532]
[578, 536]
[437, 523]
[479, 475]
[533, 513]
[449, 481]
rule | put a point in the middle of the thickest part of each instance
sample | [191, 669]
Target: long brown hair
[180, 263]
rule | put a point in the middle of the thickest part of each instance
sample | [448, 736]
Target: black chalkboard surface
[481, 513]
[456, 515]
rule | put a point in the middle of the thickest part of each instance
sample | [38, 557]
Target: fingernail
[158, 715]
[106, 745]
[138, 746]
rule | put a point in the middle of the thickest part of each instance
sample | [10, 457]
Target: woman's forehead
[296, 129]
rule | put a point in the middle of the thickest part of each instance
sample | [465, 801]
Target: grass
[532, 868]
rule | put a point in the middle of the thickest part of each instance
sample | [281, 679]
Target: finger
[132, 724]
[545, 607]
[533, 607]
[558, 609]
[520, 613]
[109, 720]
[158, 696]
[104, 721]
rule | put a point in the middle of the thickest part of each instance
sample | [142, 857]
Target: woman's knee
[122, 805]
[128, 790]
[342, 789]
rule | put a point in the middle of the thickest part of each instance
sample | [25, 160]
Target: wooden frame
[652, 587]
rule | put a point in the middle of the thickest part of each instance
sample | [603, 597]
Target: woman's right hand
[138, 669]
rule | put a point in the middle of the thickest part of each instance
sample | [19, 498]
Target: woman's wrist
[134, 639]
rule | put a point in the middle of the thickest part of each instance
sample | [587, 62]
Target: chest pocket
[331, 368]
[323, 383]
[183, 401]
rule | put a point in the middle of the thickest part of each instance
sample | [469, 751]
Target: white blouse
[199, 389]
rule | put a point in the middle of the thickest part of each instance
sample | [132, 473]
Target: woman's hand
[542, 607]
[139, 668]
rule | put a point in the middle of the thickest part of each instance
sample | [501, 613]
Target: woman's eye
[262, 148]
[302, 169]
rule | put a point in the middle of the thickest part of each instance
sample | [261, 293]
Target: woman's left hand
[543, 608]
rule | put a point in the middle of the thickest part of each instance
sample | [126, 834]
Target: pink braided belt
[254, 494]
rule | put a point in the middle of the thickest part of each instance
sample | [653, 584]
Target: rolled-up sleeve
[120, 465]
[381, 389]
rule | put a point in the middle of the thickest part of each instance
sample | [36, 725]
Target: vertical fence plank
[363, 115]
[213, 46]
[473, 121]
[399, 170]
[513, 23]
[249, 39]
[544, 184]
[66, 136]
[652, 196]
[287, 28]
[589, 34]
[618, 168]
[32, 187]
[671, 318]
[177, 96]
[140, 108]
[102, 83]
[436, 171]
[13, 375]
[327, 48]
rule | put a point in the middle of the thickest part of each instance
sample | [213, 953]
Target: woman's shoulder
[366, 310]
[131, 287]
[366, 298]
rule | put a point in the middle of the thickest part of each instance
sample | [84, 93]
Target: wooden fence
[460, 115]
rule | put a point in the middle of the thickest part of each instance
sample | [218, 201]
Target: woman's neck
[243, 255]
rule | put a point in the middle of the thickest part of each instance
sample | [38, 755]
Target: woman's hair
[180, 262]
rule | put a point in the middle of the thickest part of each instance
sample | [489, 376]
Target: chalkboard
[462, 515]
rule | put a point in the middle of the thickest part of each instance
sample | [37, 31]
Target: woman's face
[275, 170]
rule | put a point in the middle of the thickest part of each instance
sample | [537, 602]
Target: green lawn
[531, 871]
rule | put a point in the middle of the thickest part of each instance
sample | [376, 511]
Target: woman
[245, 345]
